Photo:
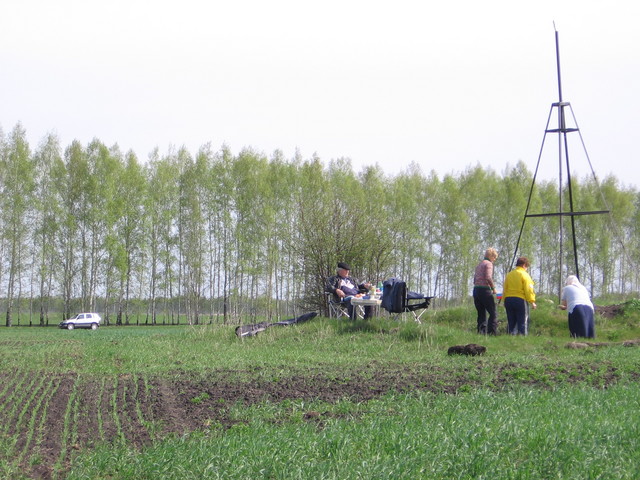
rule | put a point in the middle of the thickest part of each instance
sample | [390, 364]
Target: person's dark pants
[485, 304]
[581, 322]
[517, 315]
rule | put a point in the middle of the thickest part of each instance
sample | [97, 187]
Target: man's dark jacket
[333, 283]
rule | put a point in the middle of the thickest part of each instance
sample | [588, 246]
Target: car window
[81, 316]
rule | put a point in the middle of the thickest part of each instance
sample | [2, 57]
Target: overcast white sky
[448, 85]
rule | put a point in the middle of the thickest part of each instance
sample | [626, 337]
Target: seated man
[344, 288]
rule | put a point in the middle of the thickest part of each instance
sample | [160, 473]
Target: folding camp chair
[338, 309]
[397, 300]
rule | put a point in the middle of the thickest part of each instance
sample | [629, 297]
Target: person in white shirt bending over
[575, 299]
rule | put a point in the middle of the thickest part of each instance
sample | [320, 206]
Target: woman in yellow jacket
[518, 294]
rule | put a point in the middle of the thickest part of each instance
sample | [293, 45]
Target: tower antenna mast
[563, 158]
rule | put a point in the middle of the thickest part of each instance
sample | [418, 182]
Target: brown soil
[128, 409]
[609, 311]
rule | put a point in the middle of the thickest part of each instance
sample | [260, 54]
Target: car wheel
[70, 326]
[94, 326]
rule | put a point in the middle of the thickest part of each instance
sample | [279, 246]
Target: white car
[82, 320]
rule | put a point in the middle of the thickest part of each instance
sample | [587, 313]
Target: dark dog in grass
[470, 349]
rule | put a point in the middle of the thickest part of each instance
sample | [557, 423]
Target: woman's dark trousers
[517, 315]
[581, 322]
[485, 304]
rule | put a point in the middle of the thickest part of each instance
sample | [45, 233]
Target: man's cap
[344, 266]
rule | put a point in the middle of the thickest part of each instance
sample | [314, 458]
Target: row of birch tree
[223, 237]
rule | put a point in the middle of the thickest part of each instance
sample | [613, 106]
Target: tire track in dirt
[166, 409]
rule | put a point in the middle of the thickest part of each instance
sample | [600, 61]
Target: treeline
[219, 237]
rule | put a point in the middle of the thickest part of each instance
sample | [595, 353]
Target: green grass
[573, 433]
[163, 349]
[528, 409]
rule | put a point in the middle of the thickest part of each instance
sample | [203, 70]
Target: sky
[444, 85]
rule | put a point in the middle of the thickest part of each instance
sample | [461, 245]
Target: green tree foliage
[192, 233]
[17, 187]
[48, 212]
[221, 237]
[129, 232]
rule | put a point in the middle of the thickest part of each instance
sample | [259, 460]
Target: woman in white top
[575, 299]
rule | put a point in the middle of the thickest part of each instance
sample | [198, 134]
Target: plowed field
[48, 419]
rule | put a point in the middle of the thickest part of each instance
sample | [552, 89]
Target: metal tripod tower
[563, 158]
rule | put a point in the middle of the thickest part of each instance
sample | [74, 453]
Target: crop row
[46, 419]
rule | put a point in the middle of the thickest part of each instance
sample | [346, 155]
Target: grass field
[321, 400]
